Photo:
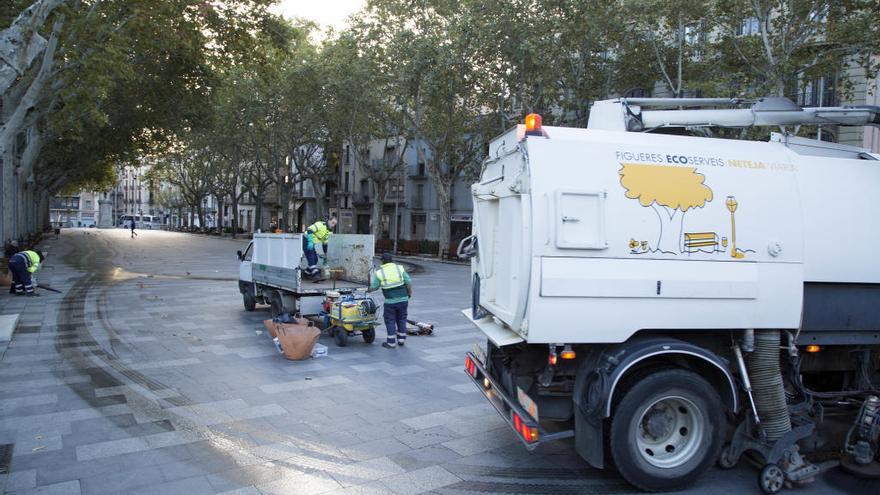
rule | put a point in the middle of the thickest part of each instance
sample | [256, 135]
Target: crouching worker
[397, 288]
[318, 232]
[22, 265]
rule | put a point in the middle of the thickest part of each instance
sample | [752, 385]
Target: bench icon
[696, 241]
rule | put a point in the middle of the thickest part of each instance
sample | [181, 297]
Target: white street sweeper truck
[671, 300]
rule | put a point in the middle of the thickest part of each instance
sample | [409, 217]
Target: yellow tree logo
[671, 192]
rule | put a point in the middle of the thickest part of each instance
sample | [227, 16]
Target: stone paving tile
[197, 485]
[420, 481]
[65, 488]
[304, 384]
[364, 471]
[20, 480]
[375, 448]
[300, 483]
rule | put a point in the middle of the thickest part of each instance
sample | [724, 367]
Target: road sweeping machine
[671, 300]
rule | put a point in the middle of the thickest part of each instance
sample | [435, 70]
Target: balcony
[416, 172]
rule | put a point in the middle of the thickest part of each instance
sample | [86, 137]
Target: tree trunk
[320, 205]
[671, 223]
[378, 207]
[219, 216]
[258, 210]
[9, 130]
[201, 210]
[234, 216]
[445, 221]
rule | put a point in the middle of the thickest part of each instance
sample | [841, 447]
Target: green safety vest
[319, 232]
[34, 258]
[391, 280]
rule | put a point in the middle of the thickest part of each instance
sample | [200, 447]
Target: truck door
[503, 229]
[244, 268]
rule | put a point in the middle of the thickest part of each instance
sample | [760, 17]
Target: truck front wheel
[666, 430]
[250, 302]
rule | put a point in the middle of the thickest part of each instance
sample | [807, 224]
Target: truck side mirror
[239, 255]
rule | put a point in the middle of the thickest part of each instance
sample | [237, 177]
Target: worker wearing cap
[22, 265]
[397, 288]
[318, 232]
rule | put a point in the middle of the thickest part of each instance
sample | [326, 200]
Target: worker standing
[22, 265]
[318, 232]
[397, 288]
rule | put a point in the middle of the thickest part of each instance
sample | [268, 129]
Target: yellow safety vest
[34, 258]
[390, 275]
[319, 232]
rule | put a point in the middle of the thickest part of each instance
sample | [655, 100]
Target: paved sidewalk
[147, 376]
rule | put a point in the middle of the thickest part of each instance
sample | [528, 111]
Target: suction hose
[767, 385]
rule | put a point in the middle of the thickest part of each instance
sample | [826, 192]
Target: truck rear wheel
[666, 430]
[276, 305]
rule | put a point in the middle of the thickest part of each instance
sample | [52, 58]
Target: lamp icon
[731, 206]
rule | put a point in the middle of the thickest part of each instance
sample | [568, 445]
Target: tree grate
[5, 457]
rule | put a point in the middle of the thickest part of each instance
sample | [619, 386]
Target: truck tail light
[470, 366]
[528, 433]
[568, 352]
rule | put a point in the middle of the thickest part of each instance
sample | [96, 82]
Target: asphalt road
[147, 376]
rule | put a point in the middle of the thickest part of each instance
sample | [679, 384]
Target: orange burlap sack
[297, 341]
[270, 327]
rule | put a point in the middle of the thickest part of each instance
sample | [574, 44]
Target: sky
[327, 13]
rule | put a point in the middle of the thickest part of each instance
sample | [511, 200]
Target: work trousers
[311, 257]
[395, 321]
[21, 277]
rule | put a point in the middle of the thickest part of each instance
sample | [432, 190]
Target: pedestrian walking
[318, 232]
[397, 288]
[22, 265]
[133, 233]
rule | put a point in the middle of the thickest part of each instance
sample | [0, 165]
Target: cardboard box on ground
[296, 339]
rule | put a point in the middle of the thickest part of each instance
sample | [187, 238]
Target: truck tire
[250, 302]
[666, 430]
[276, 305]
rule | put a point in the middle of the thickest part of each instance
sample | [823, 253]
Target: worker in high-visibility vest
[397, 288]
[22, 264]
[318, 232]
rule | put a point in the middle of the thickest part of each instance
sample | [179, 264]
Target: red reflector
[517, 424]
[552, 359]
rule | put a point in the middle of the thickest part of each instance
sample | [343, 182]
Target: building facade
[410, 210]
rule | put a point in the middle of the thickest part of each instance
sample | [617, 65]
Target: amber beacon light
[533, 124]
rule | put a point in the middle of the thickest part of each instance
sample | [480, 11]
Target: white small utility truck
[670, 299]
[271, 271]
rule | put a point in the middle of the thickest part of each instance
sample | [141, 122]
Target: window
[820, 92]
[748, 27]
[417, 226]
[345, 185]
[420, 196]
[421, 170]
